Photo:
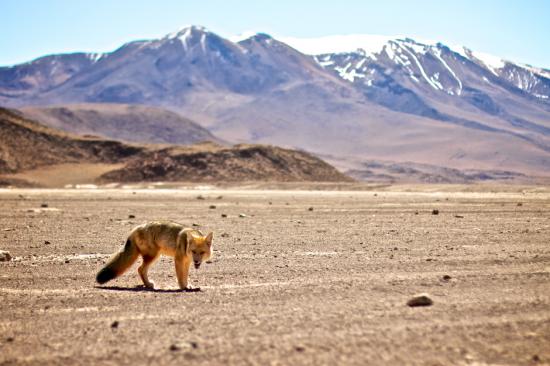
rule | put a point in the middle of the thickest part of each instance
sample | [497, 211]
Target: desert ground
[298, 277]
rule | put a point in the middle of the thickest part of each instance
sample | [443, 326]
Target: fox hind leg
[144, 268]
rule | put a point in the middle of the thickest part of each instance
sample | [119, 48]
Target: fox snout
[197, 264]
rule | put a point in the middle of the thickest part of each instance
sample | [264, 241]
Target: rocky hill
[215, 163]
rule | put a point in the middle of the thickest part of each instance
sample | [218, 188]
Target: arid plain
[297, 277]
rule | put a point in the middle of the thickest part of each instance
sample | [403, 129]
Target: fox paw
[150, 285]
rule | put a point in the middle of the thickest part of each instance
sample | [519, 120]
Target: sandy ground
[287, 285]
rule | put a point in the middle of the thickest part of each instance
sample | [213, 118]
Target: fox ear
[209, 238]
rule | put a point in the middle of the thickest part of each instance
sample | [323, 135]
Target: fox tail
[119, 263]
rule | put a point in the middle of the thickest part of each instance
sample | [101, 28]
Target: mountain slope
[134, 123]
[26, 144]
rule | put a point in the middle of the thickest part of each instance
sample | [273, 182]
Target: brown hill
[210, 163]
[37, 152]
[134, 123]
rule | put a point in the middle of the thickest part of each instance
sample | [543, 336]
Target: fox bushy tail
[119, 263]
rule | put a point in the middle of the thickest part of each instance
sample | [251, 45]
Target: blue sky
[515, 30]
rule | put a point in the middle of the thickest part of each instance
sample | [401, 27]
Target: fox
[152, 239]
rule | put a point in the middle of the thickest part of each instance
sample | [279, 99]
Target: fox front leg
[183, 263]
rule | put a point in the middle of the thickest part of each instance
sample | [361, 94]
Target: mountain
[133, 123]
[395, 100]
[28, 149]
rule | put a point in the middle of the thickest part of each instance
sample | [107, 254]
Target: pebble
[446, 278]
[435, 212]
[174, 348]
[200, 197]
[420, 300]
[242, 215]
[44, 205]
[212, 207]
[224, 215]
[310, 209]
[5, 256]
[114, 324]
[131, 216]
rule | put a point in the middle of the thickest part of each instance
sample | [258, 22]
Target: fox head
[200, 247]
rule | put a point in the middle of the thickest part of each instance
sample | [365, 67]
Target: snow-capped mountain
[353, 99]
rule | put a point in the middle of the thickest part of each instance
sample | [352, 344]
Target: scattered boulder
[420, 300]
[5, 256]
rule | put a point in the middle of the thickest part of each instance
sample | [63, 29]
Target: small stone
[536, 358]
[200, 197]
[242, 215]
[435, 212]
[299, 348]
[174, 348]
[67, 261]
[225, 235]
[459, 216]
[44, 205]
[416, 212]
[131, 216]
[194, 345]
[212, 207]
[520, 204]
[5, 256]
[224, 215]
[47, 242]
[10, 339]
[310, 209]
[420, 300]
[114, 324]
[219, 197]
[446, 278]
